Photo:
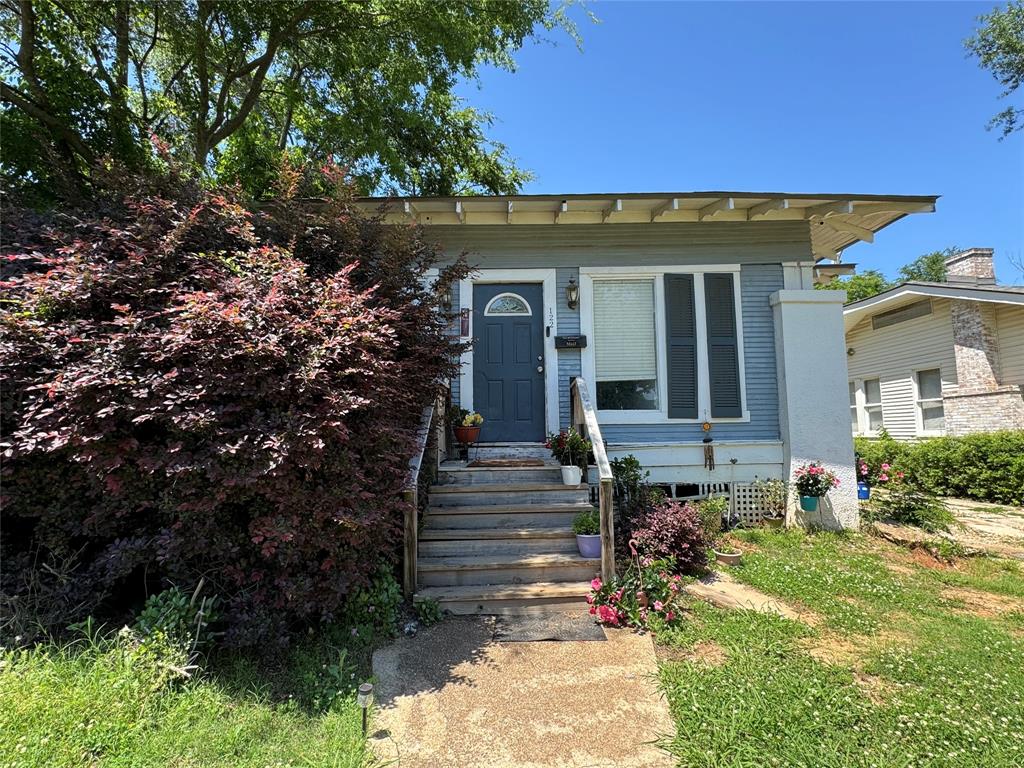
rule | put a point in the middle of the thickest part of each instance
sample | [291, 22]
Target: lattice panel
[746, 503]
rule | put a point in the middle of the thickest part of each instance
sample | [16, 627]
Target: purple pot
[589, 546]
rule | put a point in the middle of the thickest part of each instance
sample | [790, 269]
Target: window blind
[624, 340]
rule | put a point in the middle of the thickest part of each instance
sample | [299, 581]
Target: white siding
[1010, 339]
[893, 355]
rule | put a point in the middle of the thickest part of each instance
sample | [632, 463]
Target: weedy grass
[918, 683]
[102, 702]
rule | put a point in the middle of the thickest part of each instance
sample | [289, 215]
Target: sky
[840, 97]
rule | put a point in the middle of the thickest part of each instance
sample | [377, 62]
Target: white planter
[571, 475]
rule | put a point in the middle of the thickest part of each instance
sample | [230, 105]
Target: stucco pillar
[814, 408]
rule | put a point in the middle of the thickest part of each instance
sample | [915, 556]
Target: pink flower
[619, 594]
[596, 584]
[593, 610]
[885, 467]
[669, 616]
[883, 477]
[899, 475]
[658, 605]
[590, 599]
[607, 614]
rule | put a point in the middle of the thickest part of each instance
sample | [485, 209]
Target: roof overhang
[907, 293]
[837, 220]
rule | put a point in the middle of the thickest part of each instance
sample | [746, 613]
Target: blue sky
[865, 97]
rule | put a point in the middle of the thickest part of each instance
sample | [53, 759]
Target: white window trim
[862, 407]
[919, 429]
[656, 274]
[549, 325]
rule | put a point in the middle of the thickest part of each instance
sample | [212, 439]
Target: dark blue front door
[508, 361]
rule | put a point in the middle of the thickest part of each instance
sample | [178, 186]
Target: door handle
[540, 369]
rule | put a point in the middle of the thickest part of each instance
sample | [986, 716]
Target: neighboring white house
[930, 359]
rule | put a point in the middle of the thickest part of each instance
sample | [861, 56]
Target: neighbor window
[929, 400]
[625, 352]
[873, 404]
[853, 407]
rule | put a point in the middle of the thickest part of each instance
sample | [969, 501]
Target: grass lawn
[903, 661]
[98, 703]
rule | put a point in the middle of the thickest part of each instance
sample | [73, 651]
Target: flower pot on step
[589, 546]
[728, 558]
[571, 475]
[467, 435]
[809, 503]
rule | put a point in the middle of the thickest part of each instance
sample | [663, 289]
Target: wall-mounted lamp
[446, 299]
[572, 294]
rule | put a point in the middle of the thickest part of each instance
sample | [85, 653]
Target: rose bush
[194, 389]
[644, 597]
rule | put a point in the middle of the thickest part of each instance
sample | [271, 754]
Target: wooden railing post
[583, 413]
[411, 542]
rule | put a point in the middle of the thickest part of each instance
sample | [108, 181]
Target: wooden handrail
[431, 420]
[584, 417]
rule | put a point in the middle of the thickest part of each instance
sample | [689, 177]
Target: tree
[857, 287]
[234, 87]
[999, 46]
[929, 268]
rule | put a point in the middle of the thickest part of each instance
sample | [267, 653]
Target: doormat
[506, 463]
[547, 627]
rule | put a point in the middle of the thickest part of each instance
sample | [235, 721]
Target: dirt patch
[874, 687]
[705, 652]
[980, 603]
[850, 650]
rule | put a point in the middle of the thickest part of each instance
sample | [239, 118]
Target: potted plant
[587, 527]
[772, 495]
[571, 449]
[812, 482]
[466, 425]
[713, 511]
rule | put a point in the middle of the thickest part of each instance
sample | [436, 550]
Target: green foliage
[111, 700]
[929, 268]
[373, 610]
[772, 495]
[234, 88]
[183, 618]
[999, 46]
[429, 612]
[587, 523]
[569, 447]
[713, 511]
[860, 286]
[987, 466]
[904, 502]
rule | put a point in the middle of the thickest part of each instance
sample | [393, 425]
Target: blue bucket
[809, 503]
[863, 491]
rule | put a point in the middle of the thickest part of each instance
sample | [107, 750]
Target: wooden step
[506, 569]
[463, 475]
[541, 597]
[447, 542]
[504, 516]
[471, 494]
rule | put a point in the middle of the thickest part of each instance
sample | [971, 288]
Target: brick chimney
[973, 267]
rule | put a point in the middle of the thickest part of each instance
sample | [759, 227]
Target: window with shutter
[681, 342]
[625, 354]
[723, 353]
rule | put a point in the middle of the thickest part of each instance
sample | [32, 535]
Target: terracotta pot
[728, 558]
[467, 435]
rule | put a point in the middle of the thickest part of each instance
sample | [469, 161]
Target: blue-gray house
[686, 315]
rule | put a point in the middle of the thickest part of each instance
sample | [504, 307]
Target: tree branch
[29, 107]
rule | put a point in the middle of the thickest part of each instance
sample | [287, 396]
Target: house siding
[760, 249]
[893, 354]
[1010, 343]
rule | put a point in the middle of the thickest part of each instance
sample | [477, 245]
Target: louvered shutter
[681, 336]
[723, 352]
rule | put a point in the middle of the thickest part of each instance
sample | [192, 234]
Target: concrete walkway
[455, 696]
